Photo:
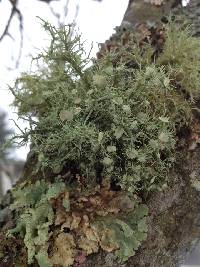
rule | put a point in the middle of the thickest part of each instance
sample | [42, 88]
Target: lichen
[110, 120]
[107, 134]
[101, 218]
[35, 214]
[181, 57]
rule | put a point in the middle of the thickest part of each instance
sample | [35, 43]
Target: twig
[13, 11]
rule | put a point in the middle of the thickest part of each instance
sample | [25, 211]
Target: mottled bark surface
[151, 12]
[148, 12]
[173, 222]
[193, 13]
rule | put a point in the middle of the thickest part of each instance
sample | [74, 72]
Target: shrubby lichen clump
[115, 121]
[110, 121]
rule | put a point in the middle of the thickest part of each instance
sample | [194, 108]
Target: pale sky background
[95, 22]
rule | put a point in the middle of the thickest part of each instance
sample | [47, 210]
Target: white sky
[95, 21]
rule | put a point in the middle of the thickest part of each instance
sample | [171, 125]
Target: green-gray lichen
[119, 120]
[35, 214]
[181, 58]
[126, 233]
[106, 225]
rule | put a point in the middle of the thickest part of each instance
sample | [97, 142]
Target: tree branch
[13, 11]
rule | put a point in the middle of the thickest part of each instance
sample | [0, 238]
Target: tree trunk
[174, 213]
[145, 12]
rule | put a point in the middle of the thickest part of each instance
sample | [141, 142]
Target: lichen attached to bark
[105, 139]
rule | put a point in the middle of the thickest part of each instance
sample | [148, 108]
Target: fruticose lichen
[116, 121]
[109, 120]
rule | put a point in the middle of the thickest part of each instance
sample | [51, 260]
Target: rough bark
[144, 12]
[193, 13]
[173, 223]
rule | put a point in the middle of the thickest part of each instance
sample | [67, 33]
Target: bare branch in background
[73, 25]
[21, 26]
[66, 9]
[15, 11]
[60, 21]
[57, 15]
[76, 14]
[47, 1]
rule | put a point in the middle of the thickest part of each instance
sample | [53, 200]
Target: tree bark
[145, 12]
